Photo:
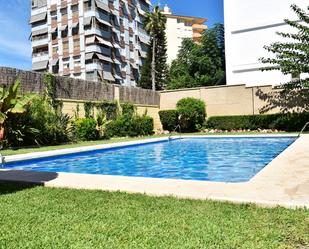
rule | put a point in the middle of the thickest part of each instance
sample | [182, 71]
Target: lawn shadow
[12, 181]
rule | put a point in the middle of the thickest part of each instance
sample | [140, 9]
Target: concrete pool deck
[283, 182]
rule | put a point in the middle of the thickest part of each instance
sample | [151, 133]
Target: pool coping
[283, 182]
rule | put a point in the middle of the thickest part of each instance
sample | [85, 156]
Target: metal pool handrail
[303, 129]
[178, 126]
[2, 161]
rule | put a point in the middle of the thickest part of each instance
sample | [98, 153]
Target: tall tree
[291, 58]
[200, 64]
[154, 70]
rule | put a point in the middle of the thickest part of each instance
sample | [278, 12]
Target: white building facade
[249, 26]
[180, 27]
[96, 40]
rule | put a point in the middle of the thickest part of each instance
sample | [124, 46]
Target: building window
[54, 35]
[66, 63]
[77, 61]
[75, 30]
[76, 44]
[65, 47]
[64, 12]
[87, 6]
[64, 33]
[74, 8]
[55, 49]
[53, 15]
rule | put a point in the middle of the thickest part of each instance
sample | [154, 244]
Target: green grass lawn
[113, 140]
[41, 217]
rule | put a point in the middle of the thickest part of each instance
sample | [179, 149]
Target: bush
[191, 113]
[41, 124]
[133, 126]
[127, 109]
[169, 119]
[85, 129]
[283, 122]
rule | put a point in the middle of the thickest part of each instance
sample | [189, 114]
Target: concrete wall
[221, 100]
[249, 26]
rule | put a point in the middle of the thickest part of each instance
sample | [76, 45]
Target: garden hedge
[169, 119]
[282, 122]
[192, 114]
[130, 126]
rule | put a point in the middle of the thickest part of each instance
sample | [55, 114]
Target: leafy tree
[291, 58]
[11, 103]
[200, 64]
[154, 70]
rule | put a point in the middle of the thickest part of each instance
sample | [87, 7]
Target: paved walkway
[284, 182]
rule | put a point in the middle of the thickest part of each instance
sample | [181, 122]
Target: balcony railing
[38, 54]
[39, 37]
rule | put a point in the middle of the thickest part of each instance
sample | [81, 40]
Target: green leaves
[290, 56]
[12, 102]
[199, 64]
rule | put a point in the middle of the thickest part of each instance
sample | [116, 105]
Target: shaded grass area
[38, 217]
[10, 152]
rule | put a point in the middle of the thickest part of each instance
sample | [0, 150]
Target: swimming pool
[232, 159]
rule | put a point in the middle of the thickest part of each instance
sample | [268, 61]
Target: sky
[15, 46]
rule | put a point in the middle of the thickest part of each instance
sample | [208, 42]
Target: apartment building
[179, 28]
[249, 26]
[96, 40]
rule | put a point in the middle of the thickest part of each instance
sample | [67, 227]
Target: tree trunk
[153, 65]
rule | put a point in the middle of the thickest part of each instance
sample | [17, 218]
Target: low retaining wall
[221, 100]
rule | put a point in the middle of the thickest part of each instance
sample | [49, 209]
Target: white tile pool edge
[265, 189]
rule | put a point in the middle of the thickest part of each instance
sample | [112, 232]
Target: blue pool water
[212, 159]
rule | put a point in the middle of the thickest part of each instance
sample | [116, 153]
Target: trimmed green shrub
[169, 119]
[85, 129]
[283, 122]
[129, 126]
[128, 109]
[192, 114]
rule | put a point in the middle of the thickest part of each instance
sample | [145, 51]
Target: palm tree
[154, 23]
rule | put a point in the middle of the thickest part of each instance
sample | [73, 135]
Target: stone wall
[76, 89]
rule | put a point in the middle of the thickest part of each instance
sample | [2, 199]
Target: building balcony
[98, 49]
[199, 27]
[39, 42]
[197, 37]
[93, 67]
[40, 56]
[38, 10]
[99, 32]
